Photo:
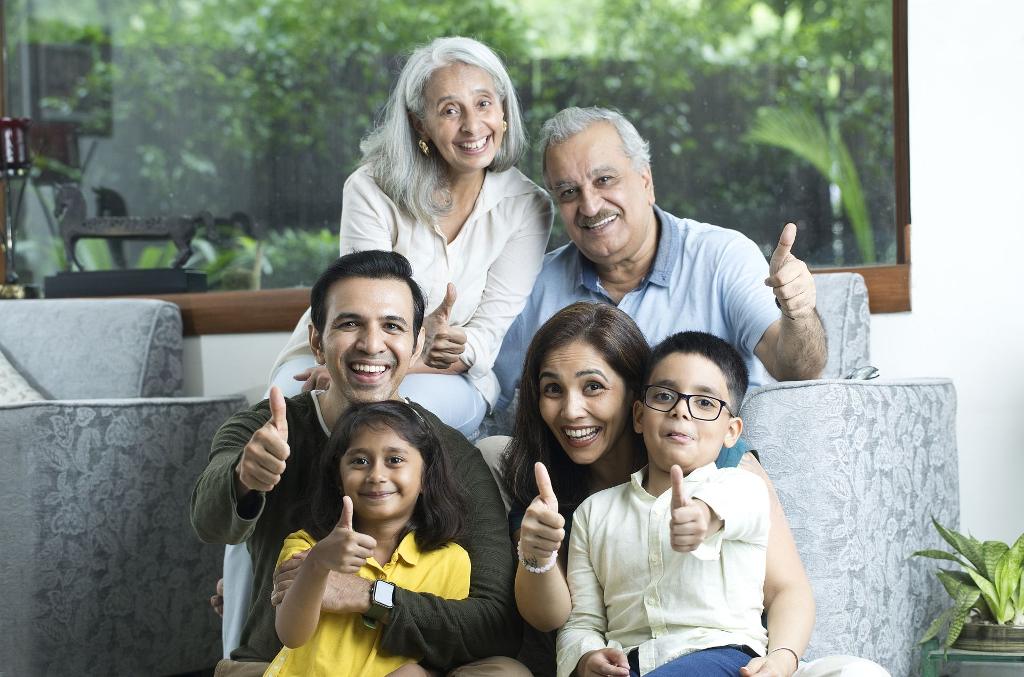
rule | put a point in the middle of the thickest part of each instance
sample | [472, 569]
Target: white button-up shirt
[493, 261]
[631, 590]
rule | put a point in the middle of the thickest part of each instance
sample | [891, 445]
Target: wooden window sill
[246, 312]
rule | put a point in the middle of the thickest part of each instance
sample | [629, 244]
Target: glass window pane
[758, 113]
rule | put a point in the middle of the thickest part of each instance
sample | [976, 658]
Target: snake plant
[991, 582]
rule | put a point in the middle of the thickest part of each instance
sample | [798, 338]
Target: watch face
[383, 594]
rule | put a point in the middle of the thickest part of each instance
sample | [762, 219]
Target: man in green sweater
[367, 329]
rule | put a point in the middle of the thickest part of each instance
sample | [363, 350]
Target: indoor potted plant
[988, 593]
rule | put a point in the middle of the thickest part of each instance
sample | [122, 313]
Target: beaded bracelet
[536, 569]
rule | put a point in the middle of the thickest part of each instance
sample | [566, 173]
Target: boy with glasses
[667, 571]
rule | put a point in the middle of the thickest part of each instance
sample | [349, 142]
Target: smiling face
[383, 475]
[675, 437]
[462, 117]
[585, 403]
[606, 204]
[368, 341]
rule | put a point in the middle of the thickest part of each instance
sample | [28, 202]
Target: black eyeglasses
[701, 407]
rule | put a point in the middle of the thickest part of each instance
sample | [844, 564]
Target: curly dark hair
[616, 337]
[439, 514]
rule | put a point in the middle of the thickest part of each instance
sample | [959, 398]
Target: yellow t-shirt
[341, 644]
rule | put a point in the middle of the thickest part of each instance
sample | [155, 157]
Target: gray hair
[569, 122]
[412, 180]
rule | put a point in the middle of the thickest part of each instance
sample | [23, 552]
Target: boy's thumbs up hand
[264, 456]
[444, 343]
[543, 530]
[344, 549]
[689, 518]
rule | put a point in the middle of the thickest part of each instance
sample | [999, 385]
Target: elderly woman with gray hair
[438, 184]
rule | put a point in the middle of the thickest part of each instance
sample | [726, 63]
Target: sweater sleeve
[449, 633]
[216, 514]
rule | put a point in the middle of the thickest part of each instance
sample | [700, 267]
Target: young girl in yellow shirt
[386, 509]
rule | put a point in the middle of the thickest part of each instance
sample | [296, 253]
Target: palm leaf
[803, 134]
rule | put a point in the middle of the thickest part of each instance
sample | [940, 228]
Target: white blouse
[493, 261]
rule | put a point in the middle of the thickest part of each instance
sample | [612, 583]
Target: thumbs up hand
[344, 550]
[543, 530]
[264, 456]
[689, 518]
[444, 343]
[790, 279]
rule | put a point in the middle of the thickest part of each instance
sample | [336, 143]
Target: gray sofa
[860, 467]
[101, 573]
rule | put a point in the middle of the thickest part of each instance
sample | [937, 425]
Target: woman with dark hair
[574, 436]
[573, 432]
[384, 507]
[438, 184]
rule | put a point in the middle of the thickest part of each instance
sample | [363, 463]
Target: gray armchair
[101, 572]
[860, 467]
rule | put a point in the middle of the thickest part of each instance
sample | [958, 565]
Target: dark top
[445, 633]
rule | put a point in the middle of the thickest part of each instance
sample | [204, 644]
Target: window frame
[272, 310]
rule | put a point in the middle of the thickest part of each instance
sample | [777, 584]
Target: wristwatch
[382, 600]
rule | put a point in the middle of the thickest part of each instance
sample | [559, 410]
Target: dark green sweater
[445, 633]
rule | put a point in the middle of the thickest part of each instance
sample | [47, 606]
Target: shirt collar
[699, 475]
[670, 244]
[408, 550]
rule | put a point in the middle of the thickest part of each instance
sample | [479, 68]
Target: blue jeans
[722, 661]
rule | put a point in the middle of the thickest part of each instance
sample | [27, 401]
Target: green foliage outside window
[258, 106]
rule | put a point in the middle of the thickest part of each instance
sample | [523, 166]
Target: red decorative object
[15, 159]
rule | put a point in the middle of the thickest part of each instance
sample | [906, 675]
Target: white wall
[966, 79]
[967, 176]
[225, 364]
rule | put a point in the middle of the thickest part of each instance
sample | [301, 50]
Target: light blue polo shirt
[704, 278]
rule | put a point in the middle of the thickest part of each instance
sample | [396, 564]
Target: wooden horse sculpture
[70, 213]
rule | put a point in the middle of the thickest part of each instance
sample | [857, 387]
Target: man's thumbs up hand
[790, 279]
[264, 457]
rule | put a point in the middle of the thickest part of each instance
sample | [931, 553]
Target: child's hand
[541, 533]
[603, 662]
[690, 518]
[344, 550]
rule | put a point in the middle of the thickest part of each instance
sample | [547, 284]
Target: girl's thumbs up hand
[344, 550]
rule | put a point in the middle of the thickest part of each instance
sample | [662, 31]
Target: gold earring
[504, 126]
[424, 148]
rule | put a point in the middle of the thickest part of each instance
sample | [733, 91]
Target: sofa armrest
[860, 468]
[101, 572]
